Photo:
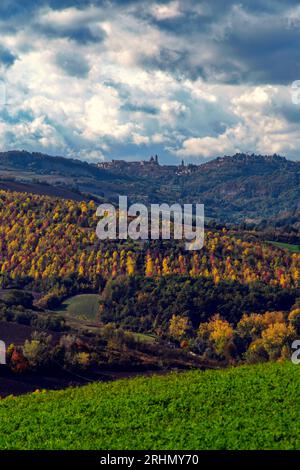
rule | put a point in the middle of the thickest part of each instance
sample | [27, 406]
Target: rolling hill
[39, 163]
[248, 407]
[237, 188]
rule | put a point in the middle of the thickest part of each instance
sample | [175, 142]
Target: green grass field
[286, 246]
[250, 407]
[144, 338]
[81, 307]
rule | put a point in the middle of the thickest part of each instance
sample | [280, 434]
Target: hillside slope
[42, 190]
[39, 163]
[253, 407]
[233, 188]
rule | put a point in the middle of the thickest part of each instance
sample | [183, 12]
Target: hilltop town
[151, 167]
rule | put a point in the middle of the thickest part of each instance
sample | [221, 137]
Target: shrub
[294, 319]
[17, 297]
[38, 350]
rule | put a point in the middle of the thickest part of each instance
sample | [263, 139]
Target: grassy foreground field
[255, 407]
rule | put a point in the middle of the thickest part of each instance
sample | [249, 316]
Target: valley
[78, 314]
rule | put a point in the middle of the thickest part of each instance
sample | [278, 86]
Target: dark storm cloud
[140, 108]
[265, 47]
[16, 15]
[73, 65]
[250, 41]
[236, 42]
[14, 8]
[78, 33]
[264, 50]
[7, 58]
[285, 108]
[176, 61]
[22, 8]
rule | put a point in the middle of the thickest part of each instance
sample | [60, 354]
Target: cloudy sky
[126, 79]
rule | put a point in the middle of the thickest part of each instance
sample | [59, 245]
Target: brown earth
[41, 189]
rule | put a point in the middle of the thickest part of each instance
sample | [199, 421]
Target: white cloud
[140, 139]
[158, 138]
[102, 115]
[51, 110]
[69, 17]
[206, 147]
[261, 128]
[254, 99]
[166, 11]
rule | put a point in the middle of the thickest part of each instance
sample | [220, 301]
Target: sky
[183, 79]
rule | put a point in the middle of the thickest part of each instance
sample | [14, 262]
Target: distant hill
[41, 189]
[45, 164]
[247, 187]
[233, 188]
